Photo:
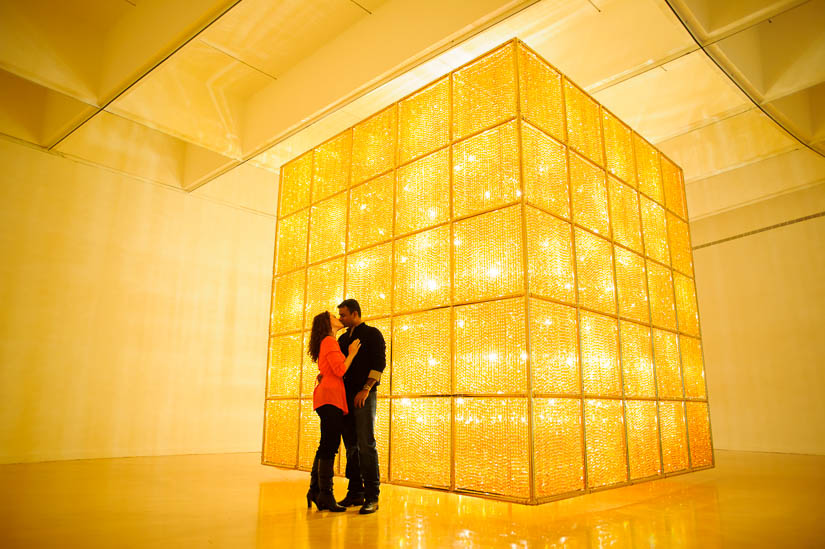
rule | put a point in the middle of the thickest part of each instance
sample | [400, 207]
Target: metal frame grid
[504, 438]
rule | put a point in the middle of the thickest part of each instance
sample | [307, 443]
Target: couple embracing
[345, 400]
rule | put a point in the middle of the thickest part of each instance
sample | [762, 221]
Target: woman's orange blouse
[330, 390]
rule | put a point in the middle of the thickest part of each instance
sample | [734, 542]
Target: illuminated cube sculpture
[527, 257]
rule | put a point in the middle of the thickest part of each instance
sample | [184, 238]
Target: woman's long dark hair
[321, 328]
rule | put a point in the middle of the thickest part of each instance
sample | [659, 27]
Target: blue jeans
[362, 457]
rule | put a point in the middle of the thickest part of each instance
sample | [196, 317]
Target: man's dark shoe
[352, 500]
[370, 506]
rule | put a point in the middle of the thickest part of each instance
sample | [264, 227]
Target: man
[360, 382]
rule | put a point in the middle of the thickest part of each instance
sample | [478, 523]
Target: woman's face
[336, 324]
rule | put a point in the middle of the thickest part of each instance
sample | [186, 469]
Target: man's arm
[378, 361]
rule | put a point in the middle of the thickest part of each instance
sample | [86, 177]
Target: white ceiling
[212, 97]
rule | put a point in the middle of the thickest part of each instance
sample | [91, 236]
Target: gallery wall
[134, 316]
[760, 280]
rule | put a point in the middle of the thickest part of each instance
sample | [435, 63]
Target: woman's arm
[337, 363]
[353, 350]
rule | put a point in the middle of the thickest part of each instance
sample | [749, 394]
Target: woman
[330, 403]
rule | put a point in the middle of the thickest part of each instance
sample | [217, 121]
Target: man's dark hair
[351, 305]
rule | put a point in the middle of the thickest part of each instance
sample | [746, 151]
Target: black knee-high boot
[312, 493]
[326, 499]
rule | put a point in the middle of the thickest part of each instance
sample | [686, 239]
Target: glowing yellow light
[523, 252]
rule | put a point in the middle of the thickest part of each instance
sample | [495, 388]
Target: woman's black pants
[332, 425]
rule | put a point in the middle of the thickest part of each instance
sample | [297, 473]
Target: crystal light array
[527, 257]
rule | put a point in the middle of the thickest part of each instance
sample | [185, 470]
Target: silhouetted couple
[345, 399]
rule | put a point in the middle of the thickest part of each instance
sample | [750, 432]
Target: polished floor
[229, 500]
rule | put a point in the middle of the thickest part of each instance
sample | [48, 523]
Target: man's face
[347, 318]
